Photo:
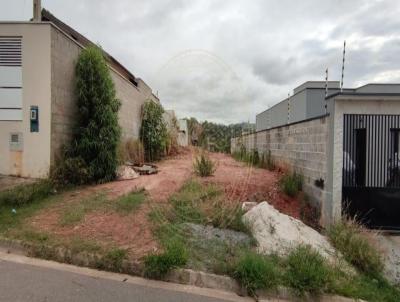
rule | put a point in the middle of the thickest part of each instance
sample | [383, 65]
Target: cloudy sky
[225, 61]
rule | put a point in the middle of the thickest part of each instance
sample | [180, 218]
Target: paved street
[23, 279]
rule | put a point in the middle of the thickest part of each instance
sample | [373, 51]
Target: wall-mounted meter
[34, 118]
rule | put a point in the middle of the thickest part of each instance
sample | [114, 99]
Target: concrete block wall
[302, 147]
[64, 55]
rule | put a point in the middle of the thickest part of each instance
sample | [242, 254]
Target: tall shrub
[97, 133]
[153, 132]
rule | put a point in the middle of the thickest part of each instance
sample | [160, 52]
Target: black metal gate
[371, 169]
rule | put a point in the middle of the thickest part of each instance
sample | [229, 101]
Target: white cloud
[227, 60]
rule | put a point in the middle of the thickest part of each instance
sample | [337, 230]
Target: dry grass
[357, 244]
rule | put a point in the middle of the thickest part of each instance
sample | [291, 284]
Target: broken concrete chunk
[248, 205]
[126, 173]
[146, 169]
[277, 233]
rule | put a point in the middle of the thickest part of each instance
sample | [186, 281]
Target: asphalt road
[24, 282]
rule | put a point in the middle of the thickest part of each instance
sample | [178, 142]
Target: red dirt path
[133, 232]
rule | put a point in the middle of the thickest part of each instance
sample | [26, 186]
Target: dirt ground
[244, 183]
[133, 232]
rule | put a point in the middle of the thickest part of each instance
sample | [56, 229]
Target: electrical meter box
[34, 118]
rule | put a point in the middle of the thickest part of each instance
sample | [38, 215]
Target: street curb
[179, 276]
[202, 279]
[284, 293]
[64, 255]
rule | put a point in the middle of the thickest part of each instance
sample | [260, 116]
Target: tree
[97, 131]
[215, 137]
[153, 131]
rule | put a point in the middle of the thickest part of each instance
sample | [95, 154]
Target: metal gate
[371, 169]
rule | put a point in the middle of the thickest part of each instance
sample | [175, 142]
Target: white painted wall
[10, 98]
[353, 105]
[10, 76]
[34, 159]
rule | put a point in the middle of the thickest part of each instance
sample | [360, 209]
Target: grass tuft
[203, 165]
[254, 271]
[26, 193]
[291, 184]
[307, 271]
[351, 239]
[187, 203]
[130, 202]
[158, 265]
[75, 213]
[251, 158]
[113, 260]
[228, 217]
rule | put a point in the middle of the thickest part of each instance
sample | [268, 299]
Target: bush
[203, 165]
[97, 132]
[25, 194]
[157, 266]
[307, 271]
[351, 240]
[70, 171]
[254, 272]
[153, 131]
[291, 184]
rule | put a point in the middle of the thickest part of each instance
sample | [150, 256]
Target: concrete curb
[179, 276]
[64, 255]
[284, 293]
[202, 279]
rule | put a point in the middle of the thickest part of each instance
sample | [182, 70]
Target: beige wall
[353, 105]
[34, 160]
[132, 99]
[64, 54]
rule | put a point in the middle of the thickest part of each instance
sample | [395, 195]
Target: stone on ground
[277, 233]
[248, 205]
[126, 173]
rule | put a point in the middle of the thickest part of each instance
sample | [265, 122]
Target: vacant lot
[116, 214]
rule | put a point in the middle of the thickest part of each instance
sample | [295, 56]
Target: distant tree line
[215, 137]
